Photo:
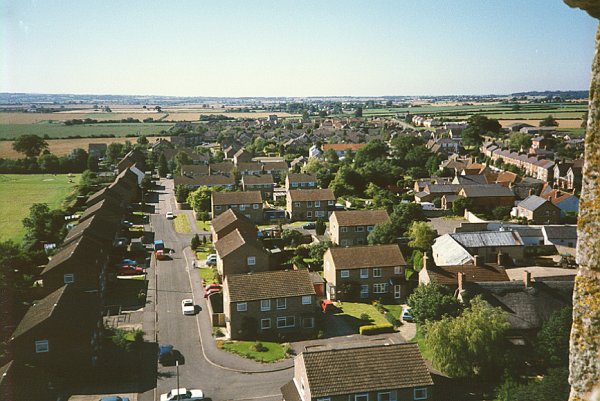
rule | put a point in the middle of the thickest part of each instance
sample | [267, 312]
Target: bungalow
[309, 204]
[240, 252]
[300, 181]
[263, 183]
[229, 221]
[488, 196]
[365, 272]
[432, 191]
[538, 210]
[470, 247]
[270, 305]
[360, 372]
[351, 227]
[450, 276]
[250, 204]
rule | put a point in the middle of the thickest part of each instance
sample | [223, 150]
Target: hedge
[376, 329]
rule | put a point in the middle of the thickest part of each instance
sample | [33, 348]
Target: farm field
[29, 189]
[62, 147]
[58, 130]
[34, 118]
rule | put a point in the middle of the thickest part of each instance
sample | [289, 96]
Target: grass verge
[209, 275]
[182, 224]
[352, 312]
[203, 225]
[271, 352]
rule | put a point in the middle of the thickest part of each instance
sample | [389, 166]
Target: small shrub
[259, 347]
[365, 317]
[195, 243]
[376, 329]
[320, 334]
[390, 318]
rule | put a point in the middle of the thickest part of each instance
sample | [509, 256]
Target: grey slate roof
[532, 202]
[368, 368]
[269, 285]
[485, 191]
[480, 239]
[561, 232]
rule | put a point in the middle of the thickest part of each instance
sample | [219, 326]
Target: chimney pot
[527, 278]
[500, 258]
[462, 281]
[476, 260]
[425, 260]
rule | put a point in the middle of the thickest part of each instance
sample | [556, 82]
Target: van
[427, 206]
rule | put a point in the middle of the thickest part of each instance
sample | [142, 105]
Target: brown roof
[39, 312]
[303, 195]
[82, 249]
[236, 198]
[556, 196]
[275, 165]
[361, 217]
[268, 285]
[225, 167]
[230, 217]
[366, 368]
[99, 227]
[258, 179]
[235, 239]
[249, 166]
[356, 257]
[299, 177]
[290, 392]
[448, 275]
[194, 169]
[204, 180]
[486, 191]
[108, 207]
[343, 146]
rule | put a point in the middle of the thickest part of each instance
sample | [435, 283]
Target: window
[346, 242]
[295, 184]
[255, 206]
[364, 291]
[344, 273]
[317, 203]
[308, 322]
[364, 273]
[242, 207]
[309, 204]
[377, 272]
[386, 396]
[265, 305]
[217, 207]
[69, 278]
[242, 306]
[286, 321]
[369, 228]
[344, 229]
[251, 260]
[281, 303]
[319, 213]
[265, 324]
[41, 346]
[360, 241]
[330, 203]
[361, 397]
[379, 288]
[420, 394]
[397, 270]
[324, 399]
[359, 229]
[309, 214]
[306, 300]
[296, 204]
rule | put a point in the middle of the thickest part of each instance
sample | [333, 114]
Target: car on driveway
[328, 306]
[114, 398]
[309, 226]
[188, 307]
[170, 215]
[212, 286]
[211, 259]
[184, 395]
[406, 315]
[211, 291]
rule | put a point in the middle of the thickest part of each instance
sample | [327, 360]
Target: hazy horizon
[285, 49]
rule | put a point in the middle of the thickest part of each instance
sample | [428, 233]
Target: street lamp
[177, 369]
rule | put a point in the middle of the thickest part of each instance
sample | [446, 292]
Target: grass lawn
[203, 251]
[19, 191]
[420, 340]
[182, 224]
[298, 223]
[203, 225]
[274, 352]
[59, 130]
[209, 275]
[351, 312]
[394, 309]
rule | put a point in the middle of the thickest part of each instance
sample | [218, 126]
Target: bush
[376, 329]
[259, 347]
[365, 317]
[195, 243]
[393, 321]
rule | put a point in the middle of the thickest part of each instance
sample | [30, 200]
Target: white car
[187, 307]
[184, 395]
[170, 215]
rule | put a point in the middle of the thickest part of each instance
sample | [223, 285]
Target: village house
[250, 204]
[342, 149]
[566, 202]
[270, 305]
[229, 221]
[472, 247]
[352, 227]
[222, 168]
[197, 181]
[242, 156]
[263, 183]
[240, 252]
[194, 170]
[488, 196]
[563, 235]
[276, 168]
[360, 372]
[433, 191]
[309, 204]
[300, 181]
[538, 210]
[365, 272]
[134, 156]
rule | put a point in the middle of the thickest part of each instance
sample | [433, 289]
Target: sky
[293, 48]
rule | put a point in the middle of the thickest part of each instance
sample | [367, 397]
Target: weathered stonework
[584, 374]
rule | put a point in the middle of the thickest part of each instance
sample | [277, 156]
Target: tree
[404, 214]
[471, 137]
[92, 163]
[114, 151]
[320, 227]
[358, 113]
[195, 242]
[548, 122]
[471, 344]
[484, 124]
[181, 159]
[347, 181]
[383, 233]
[291, 237]
[519, 140]
[372, 151]
[49, 163]
[142, 140]
[422, 235]
[316, 252]
[553, 387]
[459, 205]
[431, 302]
[501, 212]
[43, 224]
[30, 145]
[552, 343]
[163, 167]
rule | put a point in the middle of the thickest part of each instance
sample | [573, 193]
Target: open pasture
[58, 130]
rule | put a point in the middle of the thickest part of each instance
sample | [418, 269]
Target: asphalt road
[172, 285]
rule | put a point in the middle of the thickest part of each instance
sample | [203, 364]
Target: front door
[397, 291]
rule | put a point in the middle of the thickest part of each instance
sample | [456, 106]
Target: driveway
[446, 225]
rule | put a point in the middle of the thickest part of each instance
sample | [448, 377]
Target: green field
[19, 191]
[58, 130]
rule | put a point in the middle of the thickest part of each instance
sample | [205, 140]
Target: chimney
[530, 192]
[476, 260]
[425, 260]
[462, 281]
[527, 279]
[500, 258]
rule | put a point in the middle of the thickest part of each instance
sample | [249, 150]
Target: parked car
[169, 176]
[211, 291]
[130, 271]
[184, 394]
[328, 306]
[309, 226]
[114, 398]
[167, 355]
[212, 286]
[211, 260]
[170, 215]
[188, 307]
[406, 316]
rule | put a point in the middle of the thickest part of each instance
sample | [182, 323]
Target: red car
[130, 271]
[329, 306]
[211, 291]
[211, 286]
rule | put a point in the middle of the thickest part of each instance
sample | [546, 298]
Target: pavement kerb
[216, 364]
